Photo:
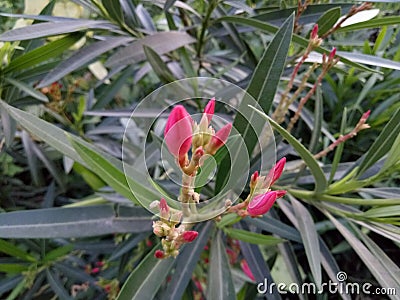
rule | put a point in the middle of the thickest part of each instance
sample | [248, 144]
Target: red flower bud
[260, 204]
[209, 109]
[332, 54]
[164, 209]
[189, 236]
[159, 254]
[314, 32]
[178, 131]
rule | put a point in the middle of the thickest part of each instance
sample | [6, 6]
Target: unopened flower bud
[189, 236]
[159, 254]
[209, 109]
[178, 132]
[314, 32]
[254, 179]
[219, 139]
[277, 170]
[260, 204]
[164, 209]
[332, 54]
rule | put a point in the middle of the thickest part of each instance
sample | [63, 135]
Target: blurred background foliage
[70, 230]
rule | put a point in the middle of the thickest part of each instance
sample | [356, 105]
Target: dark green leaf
[82, 57]
[50, 28]
[328, 20]
[186, 263]
[146, 279]
[161, 42]
[57, 285]
[220, 285]
[14, 251]
[27, 89]
[158, 65]
[71, 222]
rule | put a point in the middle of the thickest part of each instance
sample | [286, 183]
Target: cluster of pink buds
[172, 237]
[315, 40]
[261, 196]
[182, 134]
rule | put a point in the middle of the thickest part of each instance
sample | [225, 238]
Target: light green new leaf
[319, 176]
[12, 250]
[220, 284]
[41, 54]
[382, 144]
[252, 237]
[27, 89]
[58, 252]
[146, 279]
[383, 212]
[309, 236]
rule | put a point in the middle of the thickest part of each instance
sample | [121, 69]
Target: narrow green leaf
[252, 237]
[383, 212]
[161, 42]
[82, 57]
[50, 28]
[113, 9]
[187, 262]
[58, 252]
[220, 285]
[168, 4]
[145, 280]
[374, 23]
[262, 88]
[42, 54]
[57, 286]
[296, 38]
[14, 251]
[112, 175]
[158, 65]
[13, 268]
[309, 236]
[328, 19]
[319, 176]
[372, 262]
[27, 89]
[369, 60]
[68, 222]
[382, 144]
[393, 157]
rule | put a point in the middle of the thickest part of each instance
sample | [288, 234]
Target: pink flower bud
[189, 236]
[278, 169]
[159, 254]
[314, 32]
[365, 116]
[246, 269]
[260, 204]
[253, 179]
[164, 209]
[280, 193]
[95, 270]
[209, 109]
[178, 132]
[219, 139]
[332, 54]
